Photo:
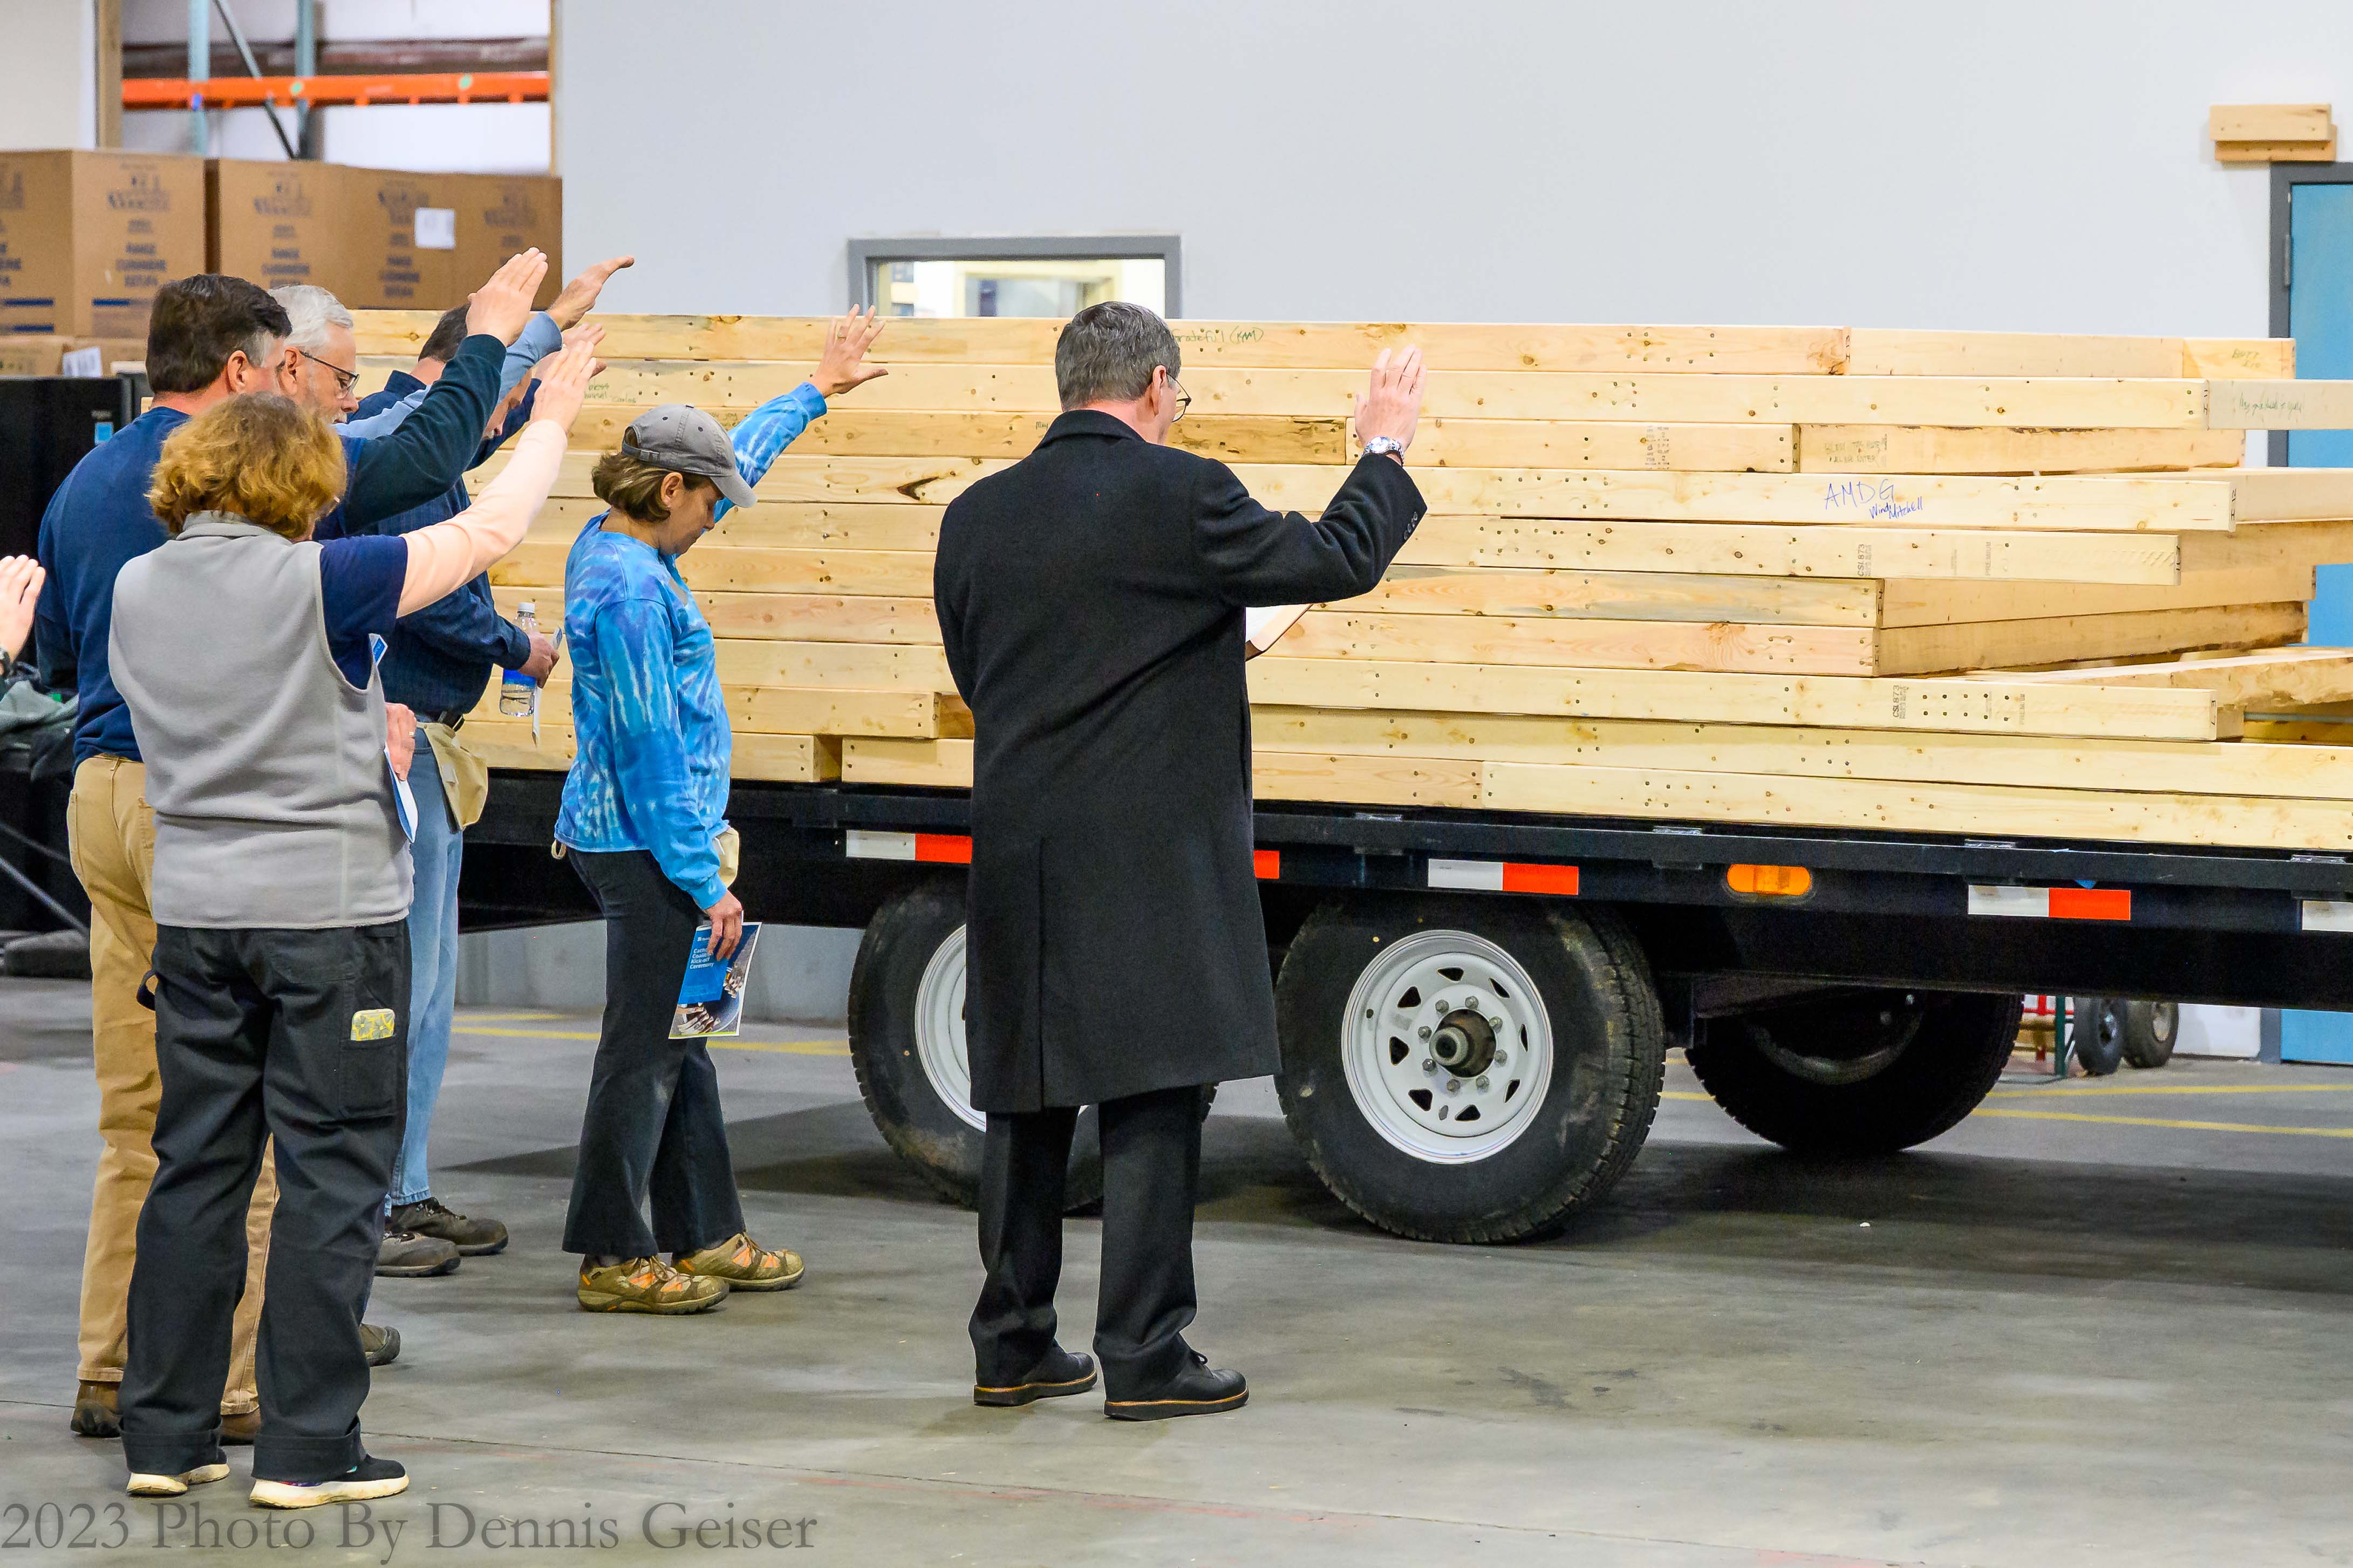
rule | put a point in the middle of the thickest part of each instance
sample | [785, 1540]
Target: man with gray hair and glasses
[1091, 599]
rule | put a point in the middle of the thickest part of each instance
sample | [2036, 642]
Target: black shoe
[382, 1345]
[431, 1216]
[1198, 1389]
[371, 1478]
[1061, 1374]
[405, 1255]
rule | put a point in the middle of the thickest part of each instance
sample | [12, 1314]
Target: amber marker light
[1770, 881]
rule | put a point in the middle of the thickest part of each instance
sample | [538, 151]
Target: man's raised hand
[502, 307]
[579, 296]
[1391, 405]
[843, 364]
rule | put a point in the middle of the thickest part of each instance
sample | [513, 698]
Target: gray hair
[314, 312]
[1107, 353]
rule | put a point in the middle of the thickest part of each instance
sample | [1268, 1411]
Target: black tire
[1867, 1073]
[911, 1111]
[1609, 1059]
[2095, 1033]
[2150, 1029]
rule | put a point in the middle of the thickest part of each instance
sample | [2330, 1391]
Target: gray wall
[2035, 166]
[799, 973]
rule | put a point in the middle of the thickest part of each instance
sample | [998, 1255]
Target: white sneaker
[144, 1485]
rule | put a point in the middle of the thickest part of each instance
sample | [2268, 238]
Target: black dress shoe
[1061, 1373]
[1200, 1390]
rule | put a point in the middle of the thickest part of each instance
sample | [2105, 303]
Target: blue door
[2320, 319]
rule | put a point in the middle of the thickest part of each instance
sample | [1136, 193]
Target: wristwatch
[1384, 446]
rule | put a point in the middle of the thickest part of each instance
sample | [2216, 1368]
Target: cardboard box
[389, 270]
[281, 223]
[33, 355]
[86, 238]
[504, 213]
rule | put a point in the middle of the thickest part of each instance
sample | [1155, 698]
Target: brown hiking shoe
[647, 1285]
[744, 1264]
[430, 1216]
[381, 1346]
[405, 1255]
[95, 1412]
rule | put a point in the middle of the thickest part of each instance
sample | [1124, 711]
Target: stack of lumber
[1978, 582]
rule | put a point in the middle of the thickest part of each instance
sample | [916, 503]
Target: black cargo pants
[303, 1036]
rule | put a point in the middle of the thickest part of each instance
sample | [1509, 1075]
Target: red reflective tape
[1522, 877]
[1267, 863]
[946, 848]
[2090, 903]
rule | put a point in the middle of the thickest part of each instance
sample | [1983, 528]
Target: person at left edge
[281, 893]
[210, 337]
[436, 664]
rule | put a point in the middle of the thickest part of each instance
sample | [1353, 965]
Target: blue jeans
[439, 852]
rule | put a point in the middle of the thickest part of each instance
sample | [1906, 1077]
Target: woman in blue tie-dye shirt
[643, 820]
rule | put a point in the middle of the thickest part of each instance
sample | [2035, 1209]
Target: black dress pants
[1152, 1172]
[296, 1036]
[653, 1127]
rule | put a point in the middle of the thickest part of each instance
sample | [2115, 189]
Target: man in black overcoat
[1091, 599]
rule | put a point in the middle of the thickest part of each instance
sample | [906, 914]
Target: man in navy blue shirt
[210, 338]
[437, 663]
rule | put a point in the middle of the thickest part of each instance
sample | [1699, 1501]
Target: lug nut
[1501, 1056]
[1496, 1024]
[1482, 1080]
[1452, 1084]
[1443, 1006]
[1425, 1031]
[1428, 1064]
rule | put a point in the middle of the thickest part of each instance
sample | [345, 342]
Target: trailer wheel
[907, 1045]
[1864, 1074]
[1467, 1069]
[2097, 1036]
[2151, 1028]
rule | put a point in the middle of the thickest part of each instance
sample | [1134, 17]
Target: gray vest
[265, 767]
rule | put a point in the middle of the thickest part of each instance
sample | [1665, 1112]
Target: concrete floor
[2108, 1324]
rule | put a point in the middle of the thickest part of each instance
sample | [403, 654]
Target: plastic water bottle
[518, 693]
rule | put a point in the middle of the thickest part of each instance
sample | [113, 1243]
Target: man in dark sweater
[437, 663]
[210, 338]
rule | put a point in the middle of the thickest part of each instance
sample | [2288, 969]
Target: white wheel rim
[939, 1030]
[1427, 1110]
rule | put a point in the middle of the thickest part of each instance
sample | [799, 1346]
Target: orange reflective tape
[948, 848]
[1520, 877]
[2090, 903]
[1267, 863]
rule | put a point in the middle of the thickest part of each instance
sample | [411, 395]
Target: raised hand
[21, 591]
[502, 307]
[1391, 405]
[843, 364]
[565, 381]
[579, 296]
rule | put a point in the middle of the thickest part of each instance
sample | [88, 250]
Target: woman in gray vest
[243, 650]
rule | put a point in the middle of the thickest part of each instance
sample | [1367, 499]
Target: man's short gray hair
[314, 312]
[1107, 353]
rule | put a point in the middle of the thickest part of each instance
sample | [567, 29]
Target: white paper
[83, 362]
[1263, 628]
[437, 228]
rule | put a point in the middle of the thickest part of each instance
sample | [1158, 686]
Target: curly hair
[256, 455]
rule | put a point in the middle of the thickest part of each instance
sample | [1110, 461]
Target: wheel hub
[1448, 1046]
[940, 1031]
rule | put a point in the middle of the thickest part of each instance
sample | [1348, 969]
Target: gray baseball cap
[684, 440]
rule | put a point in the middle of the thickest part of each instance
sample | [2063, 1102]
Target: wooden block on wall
[1880, 352]
[2263, 359]
[2272, 132]
[1946, 449]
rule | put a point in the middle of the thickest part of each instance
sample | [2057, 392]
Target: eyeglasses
[1184, 399]
[344, 379]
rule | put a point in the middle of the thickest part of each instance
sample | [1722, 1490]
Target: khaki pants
[112, 836]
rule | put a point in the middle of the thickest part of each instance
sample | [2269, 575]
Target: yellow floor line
[2160, 1122]
[793, 1047]
[470, 1017]
[2073, 1090]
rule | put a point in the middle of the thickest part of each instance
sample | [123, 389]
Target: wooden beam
[2278, 405]
[1810, 552]
[776, 525]
[1554, 444]
[2009, 643]
[1623, 595]
[867, 667]
[1933, 449]
[1878, 351]
[1933, 603]
[937, 764]
[1644, 398]
[1920, 807]
[2274, 544]
[2220, 359]
[1765, 351]
[898, 574]
[2192, 767]
[1583, 643]
[1274, 775]
[2025, 706]
[2285, 677]
[850, 431]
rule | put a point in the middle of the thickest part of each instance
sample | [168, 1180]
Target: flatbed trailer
[1475, 1007]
